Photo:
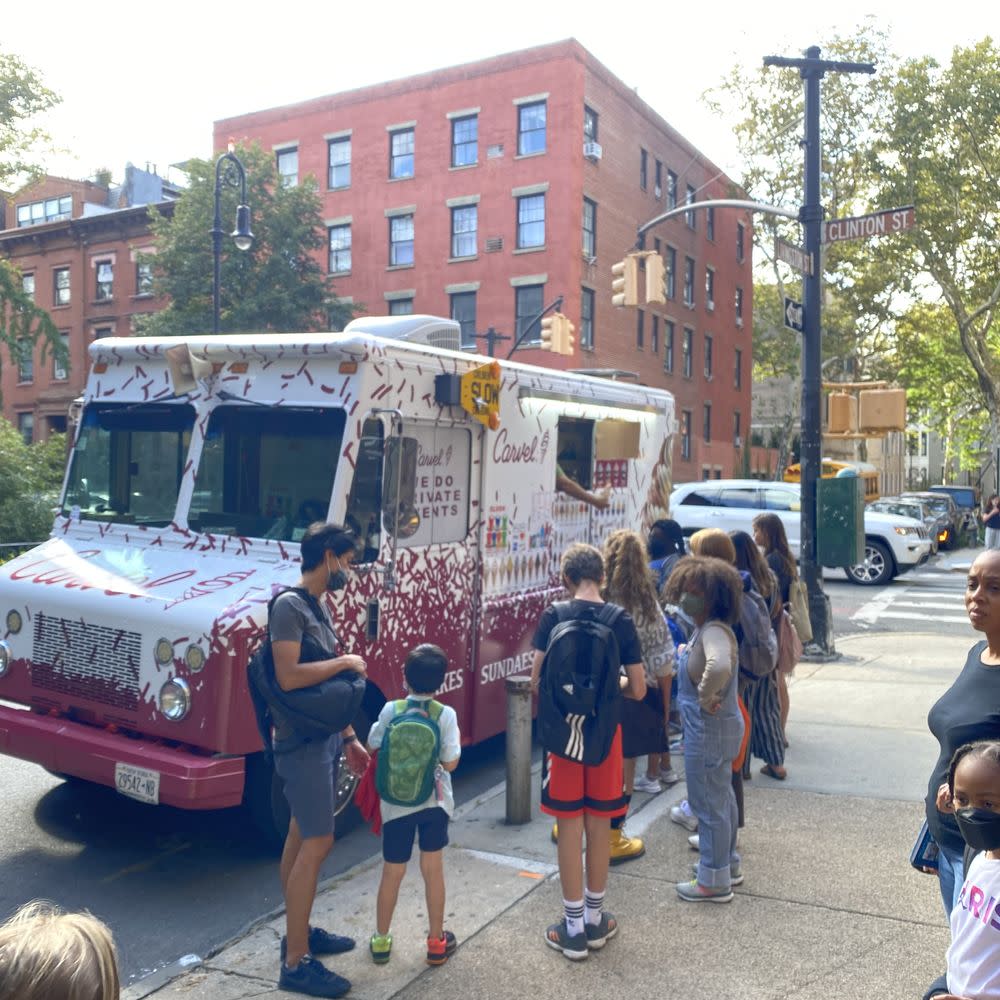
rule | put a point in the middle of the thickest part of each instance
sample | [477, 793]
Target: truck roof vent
[435, 331]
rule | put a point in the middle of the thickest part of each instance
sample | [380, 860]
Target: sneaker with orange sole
[439, 950]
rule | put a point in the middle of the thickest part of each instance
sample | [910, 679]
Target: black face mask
[337, 580]
[980, 828]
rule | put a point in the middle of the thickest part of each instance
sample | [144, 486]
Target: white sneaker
[669, 776]
[646, 784]
[695, 843]
[682, 814]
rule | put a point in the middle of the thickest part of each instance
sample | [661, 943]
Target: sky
[144, 82]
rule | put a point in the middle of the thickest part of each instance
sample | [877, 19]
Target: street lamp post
[229, 172]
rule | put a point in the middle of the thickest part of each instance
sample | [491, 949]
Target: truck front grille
[95, 662]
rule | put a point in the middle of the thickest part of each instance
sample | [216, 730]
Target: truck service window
[128, 461]
[266, 472]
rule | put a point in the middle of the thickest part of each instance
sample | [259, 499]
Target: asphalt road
[171, 883]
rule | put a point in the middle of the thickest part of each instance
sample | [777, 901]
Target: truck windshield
[266, 473]
[127, 462]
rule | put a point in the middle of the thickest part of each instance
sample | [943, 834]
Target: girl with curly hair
[629, 584]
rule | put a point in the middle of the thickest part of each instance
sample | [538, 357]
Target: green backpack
[410, 751]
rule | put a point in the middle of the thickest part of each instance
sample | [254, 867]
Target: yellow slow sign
[480, 395]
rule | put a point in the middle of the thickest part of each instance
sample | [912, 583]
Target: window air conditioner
[739, 322]
[738, 441]
[592, 150]
[710, 305]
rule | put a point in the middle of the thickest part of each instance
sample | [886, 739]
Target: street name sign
[793, 256]
[892, 220]
[794, 318]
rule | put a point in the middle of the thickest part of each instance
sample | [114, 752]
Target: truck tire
[878, 567]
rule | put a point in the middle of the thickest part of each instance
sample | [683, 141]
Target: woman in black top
[968, 711]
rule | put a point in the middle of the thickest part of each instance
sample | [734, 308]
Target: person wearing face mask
[968, 711]
[972, 796]
[309, 770]
[710, 592]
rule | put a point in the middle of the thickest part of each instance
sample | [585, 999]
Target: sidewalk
[830, 905]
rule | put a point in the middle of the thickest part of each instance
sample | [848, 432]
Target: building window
[668, 346]
[401, 307]
[589, 124]
[464, 229]
[26, 425]
[740, 241]
[658, 181]
[60, 286]
[105, 289]
[587, 318]
[143, 278]
[710, 223]
[589, 228]
[738, 369]
[465, 141]
[28, 285]
[706, 430]
[340, 249]
[709, 289]
[400, 240]
[686, 351]
[708, 356]
[60, 369]
[643, 169]
[288, 166]
[689, 215]
[531, 221]
[463, 312]
[670, 260]
[527, 305]
[686, 435]
[401, 145]
[688, 281]
[531, 128]
[671, 189]
[654, 334]
[103, 331]
[737, 429]
[50, 210]
[739, 306]
[339, 163]
[640, 329]
[25, 360]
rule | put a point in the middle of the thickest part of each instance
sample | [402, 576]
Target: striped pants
[766, 738]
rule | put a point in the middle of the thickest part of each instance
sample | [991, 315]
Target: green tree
[30, 478]
[941, 151]
[278, 285]
[23, 97]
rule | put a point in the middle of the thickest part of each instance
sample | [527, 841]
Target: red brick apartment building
[485, 191]
[76, 244]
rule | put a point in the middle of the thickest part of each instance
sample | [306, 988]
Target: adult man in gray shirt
[309, 770]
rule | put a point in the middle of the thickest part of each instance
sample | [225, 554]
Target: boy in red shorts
[584, 796]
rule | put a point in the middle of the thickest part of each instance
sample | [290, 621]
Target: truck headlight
[4, 657]
[175, 699]
[163, 652]
[14, 621]
[906, 531]
[194, 658]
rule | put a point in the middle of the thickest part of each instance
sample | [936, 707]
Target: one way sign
[794, 319]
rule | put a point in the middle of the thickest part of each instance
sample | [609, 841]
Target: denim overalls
[711, 743]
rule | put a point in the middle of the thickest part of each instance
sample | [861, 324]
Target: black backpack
[311, 713]
[579, 705]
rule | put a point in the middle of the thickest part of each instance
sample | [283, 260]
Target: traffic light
[550, 334]
[568, 338]
[625, 281]
[655, 274]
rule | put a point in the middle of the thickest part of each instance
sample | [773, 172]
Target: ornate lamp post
[228, 172]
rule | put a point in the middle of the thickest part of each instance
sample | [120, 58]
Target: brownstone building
[77, 246]
[485, 191]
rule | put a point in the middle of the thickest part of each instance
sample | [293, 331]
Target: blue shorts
[397, 835]
[309, 774]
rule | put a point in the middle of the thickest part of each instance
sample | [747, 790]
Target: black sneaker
[322, 942]
[312, 978]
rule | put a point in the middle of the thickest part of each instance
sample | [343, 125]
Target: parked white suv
[893, 544]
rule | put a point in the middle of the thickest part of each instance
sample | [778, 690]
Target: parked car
[935, 523]
[893, 544]
[941, 503]
[967, 500]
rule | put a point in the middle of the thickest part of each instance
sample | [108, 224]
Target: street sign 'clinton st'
[892, 220]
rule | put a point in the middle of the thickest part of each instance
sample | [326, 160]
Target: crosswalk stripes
[930, 595]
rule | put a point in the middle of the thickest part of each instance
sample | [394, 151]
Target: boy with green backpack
[419, 745]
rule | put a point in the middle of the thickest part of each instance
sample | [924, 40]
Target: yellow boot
[625, 848]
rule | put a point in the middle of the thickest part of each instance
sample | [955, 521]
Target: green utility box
[840, 520]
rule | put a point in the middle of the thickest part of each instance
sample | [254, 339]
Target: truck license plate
[138, 783]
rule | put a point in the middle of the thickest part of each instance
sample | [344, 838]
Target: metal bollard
[518, 749]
